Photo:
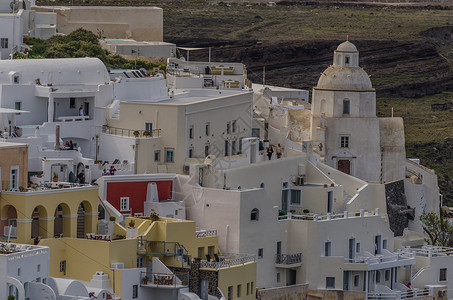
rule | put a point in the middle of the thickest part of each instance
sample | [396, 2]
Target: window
[156, 155]
[443, 274]
[191, 132]
[18, 271]
[134, 291]
[251, 288]
[124, 203]
[71, 102]
[255, 214]
[207, 129]
[228, 128]
[248, 288]
[378, 276]
[190, 152]
[278, 277]
[233, 147]
[230, 292]
[14, 178]
[3, 43]
[239, 291]
[387, 275]
[295, 197]
[330, 282]
[63, 266]
[38, 268]
[285, 185]
[18, 106]
[233, 126]
[328, 248]
[169, 155]
[346, 60]
[226, 147]
[384, 244]
[206, 150]
[344, 141]
[356, 280]
[345, 107]
[139, 262]
[16, 79]
[260, 252]
[357, 248]
[149, 127]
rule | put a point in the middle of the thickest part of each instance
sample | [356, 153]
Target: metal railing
[131, 132]
[228, 260]
[288, 259]
[380, 258]
[415, 293]
[205, 233]
[160, 248]
[330, 216]
[177, 279]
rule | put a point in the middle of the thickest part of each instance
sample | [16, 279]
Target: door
[329, 201]
[351, 252]
[291, 279]
[204, 289]
[285, 200]
[86, 108]
[344, 166]
[346, 280]
[377, 244]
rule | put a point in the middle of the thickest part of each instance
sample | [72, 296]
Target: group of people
[109, 172]
[68, 146]
[270, 151]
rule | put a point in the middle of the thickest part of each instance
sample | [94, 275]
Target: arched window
[255, 214]
[262, 185]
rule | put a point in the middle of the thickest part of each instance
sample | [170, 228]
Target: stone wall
[397, 210]
[292, 292]
[196, 275]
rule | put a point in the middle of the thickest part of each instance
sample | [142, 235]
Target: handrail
[205, 233]
[415, 293]
[130, 132]
[228, 260]
[288, 259]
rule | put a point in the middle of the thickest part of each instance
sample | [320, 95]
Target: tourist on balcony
[66, 146]
[112, 170]
[269, 152]
[81, 111]
[81, 177]
[71, 145]
[105, 173]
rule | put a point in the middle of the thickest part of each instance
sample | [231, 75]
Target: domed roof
[347, 47]
[345, 78]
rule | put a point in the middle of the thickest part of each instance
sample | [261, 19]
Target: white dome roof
[345, 78]
[347, 47]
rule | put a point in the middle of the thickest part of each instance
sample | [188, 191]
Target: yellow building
[45, 213]
[13, 166]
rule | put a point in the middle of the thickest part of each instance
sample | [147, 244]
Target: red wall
[136, 191]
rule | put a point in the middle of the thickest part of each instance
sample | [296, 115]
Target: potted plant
[145, 279]
[55, 177]
[146, 133]
[131, 223]
[112, 218]
[306, 211]
[136, 133]
[154, 216]
[11, 297]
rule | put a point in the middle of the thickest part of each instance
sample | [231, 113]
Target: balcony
[165, 280]
[381, 261]
[131, 132]
[160, 248]
[227, 261]
[391, 294]
[328, 217]
[72, 118]
[288, 260]
[201, 233]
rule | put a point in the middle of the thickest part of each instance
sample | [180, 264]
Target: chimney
[57, 137]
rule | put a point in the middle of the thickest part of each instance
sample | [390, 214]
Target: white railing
[330, 216]
[13, 231]
[73, 118]
[378, 259]
[415, 293]
[205, 233]
[228, 260]
[432, 251]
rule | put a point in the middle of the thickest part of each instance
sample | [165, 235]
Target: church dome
[347, 47]
[345, 78]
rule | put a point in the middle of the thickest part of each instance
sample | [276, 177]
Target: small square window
[384, 244]
[63, 266]
[330, 282]
[169, 153]
[295, 197]
[260, 252]
[124, 204]
[344, 141]
[139, 262]
[16, 79]
[4, 43]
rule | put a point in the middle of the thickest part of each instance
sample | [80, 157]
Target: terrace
[165, 280]
[131, 132]
[227, 260]
[288, 260]
[317, 218]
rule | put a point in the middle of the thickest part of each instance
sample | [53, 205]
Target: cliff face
[397, 69]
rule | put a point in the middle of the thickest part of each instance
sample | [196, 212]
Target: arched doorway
[84, 215]
[39, 222]
[8, 218]
[62, 222]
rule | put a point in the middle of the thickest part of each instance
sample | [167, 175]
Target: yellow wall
[17, 156]
[238, 275]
